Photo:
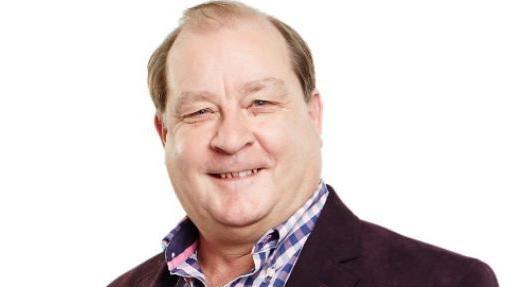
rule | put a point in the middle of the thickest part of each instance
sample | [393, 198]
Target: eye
[259, 103]
[259, 106]
[199, 113]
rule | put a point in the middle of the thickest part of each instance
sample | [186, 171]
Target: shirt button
[270, 272]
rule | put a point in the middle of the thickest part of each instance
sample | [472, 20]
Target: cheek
[287, 138]
[185, 149]
[277, 135]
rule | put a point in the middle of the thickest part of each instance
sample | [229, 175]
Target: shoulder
[145, 274]
[397, 257]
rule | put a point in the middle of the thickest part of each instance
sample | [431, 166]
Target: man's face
[242, 147]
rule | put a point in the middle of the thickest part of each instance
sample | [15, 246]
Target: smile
[236, 174]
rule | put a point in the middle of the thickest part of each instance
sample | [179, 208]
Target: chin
[239, 218]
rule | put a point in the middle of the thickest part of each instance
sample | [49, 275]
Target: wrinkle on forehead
[208, 21]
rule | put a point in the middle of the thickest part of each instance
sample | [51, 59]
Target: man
[240, 121]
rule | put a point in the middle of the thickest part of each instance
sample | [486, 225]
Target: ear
[160, 128]
[315, 110]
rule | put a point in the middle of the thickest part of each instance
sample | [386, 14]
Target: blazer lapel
[333, 243]
[160, 277]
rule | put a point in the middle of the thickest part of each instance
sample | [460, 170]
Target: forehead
[227, 57]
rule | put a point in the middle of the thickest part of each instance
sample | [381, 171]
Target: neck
[221, 263]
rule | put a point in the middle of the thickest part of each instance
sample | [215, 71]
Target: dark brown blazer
[345, 251]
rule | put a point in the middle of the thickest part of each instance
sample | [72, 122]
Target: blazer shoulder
[147, 270]
[479, 274]
[403, 257]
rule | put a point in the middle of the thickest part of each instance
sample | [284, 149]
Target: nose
[232, 134]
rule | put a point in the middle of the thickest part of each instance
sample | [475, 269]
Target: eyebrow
[254, 86]
[247, 88]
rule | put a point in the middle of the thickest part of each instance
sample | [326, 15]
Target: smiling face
[242, 147]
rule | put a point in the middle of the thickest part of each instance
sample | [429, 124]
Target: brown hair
[222, 12]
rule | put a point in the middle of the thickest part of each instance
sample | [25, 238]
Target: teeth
[239, 174]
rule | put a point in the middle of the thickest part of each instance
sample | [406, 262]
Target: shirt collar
[279, 234]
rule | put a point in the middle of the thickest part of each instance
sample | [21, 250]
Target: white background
[416, 136]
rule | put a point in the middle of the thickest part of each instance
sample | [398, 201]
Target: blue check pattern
[274, 254]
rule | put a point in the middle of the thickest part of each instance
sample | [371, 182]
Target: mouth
[234, 175]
